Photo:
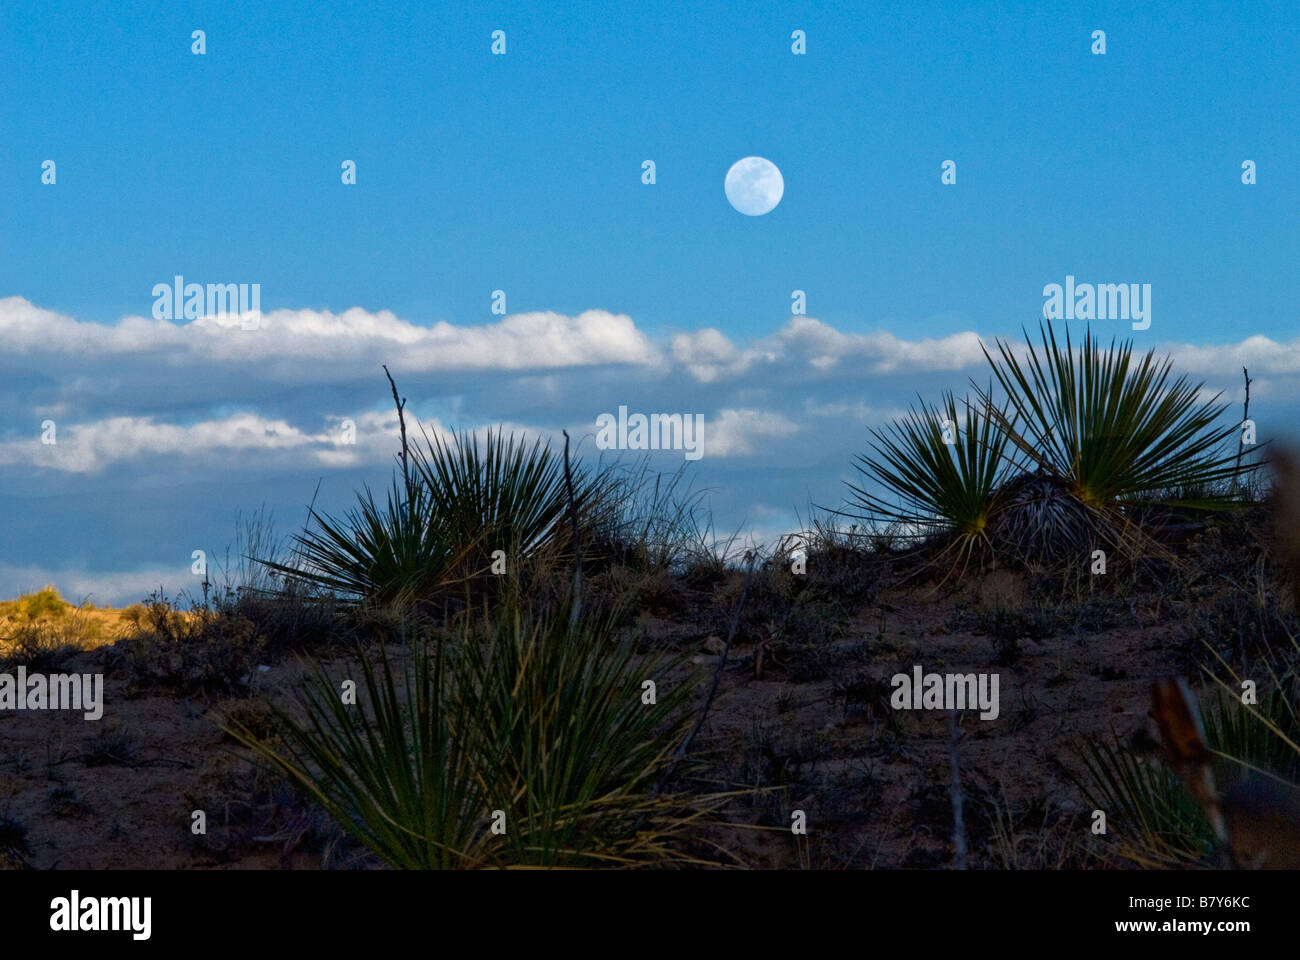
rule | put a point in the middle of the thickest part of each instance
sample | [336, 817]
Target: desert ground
[801, 719]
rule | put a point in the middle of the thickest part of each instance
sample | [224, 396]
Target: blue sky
[523, 173]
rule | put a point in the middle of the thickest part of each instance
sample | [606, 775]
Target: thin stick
[958, 801]
[1241, 436]
[575, 611]
[295, 552]
[717, 673]
[401, 421]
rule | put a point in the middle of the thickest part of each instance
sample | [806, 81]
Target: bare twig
[401, 422]
[717, 673]
[954, 791]
[575, 611]
[1241, 435]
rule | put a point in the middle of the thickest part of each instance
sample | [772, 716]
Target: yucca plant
[1040, 521]
[394, 769]
[940, 488]
[574, 750]
[1153, 816]
[1265, 735]
[1116, 429]
[503, 494]
[1150, 815]
[390, 553]
[1081, 445]
[545, 722]
[442, 520]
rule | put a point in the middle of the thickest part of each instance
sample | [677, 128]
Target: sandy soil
[874, 783]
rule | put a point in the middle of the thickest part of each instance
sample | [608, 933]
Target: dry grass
[41, 628]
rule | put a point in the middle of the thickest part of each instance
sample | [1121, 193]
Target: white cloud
[706, 354]
[258, 442]
[144, 405]
[348, 340]
[89, 447]
[1262, 355]
[733, 433]
[99, 588]
[808, 344]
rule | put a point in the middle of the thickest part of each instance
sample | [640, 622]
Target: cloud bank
[163, 430]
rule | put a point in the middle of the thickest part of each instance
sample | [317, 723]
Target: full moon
[754, 186]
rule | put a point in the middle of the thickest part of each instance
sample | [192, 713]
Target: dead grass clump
[193, 652]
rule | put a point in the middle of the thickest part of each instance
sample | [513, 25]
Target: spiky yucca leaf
[391, 553]
[1263, 735]
[1114, 427]
[940, 488]
[461, 504]
[542, 721]
[393, 770]
[1154, 820]
[574, 749]
[1260, 739]
[503, 494]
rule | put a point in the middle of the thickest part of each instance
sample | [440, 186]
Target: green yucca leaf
[938, 488]
[390, 553]
[1155, 821]
[532, 717]
[503, 494]
[1114, 427]
[1264, 735]
[390, 769]
[574, 750]
[462, 503]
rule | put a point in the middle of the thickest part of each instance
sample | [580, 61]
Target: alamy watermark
[658, 431]
[946, 691]
[58, 691]
[180, 300]
[1101, 301]
[75, 913]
